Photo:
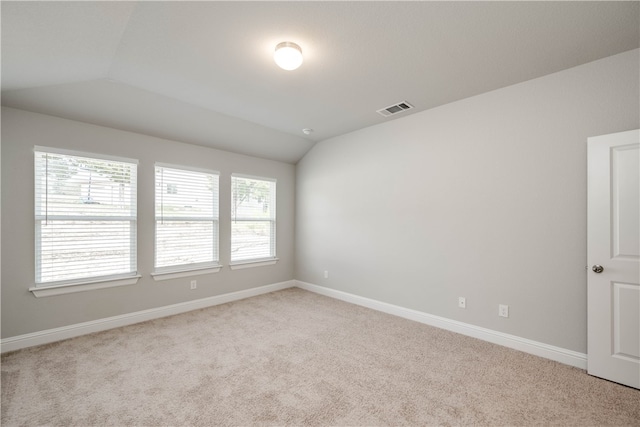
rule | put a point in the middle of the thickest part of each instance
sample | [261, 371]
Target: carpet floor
[296, 358]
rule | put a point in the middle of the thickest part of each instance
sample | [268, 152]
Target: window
[253, 219]
[186, 220]
[85, 218]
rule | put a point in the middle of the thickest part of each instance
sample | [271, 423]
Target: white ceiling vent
[395, 109]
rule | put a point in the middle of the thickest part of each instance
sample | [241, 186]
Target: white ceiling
[203, 73]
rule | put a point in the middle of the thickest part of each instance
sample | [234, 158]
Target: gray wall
[23, 313]
[483, 198]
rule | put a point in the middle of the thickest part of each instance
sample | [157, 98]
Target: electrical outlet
[503, 310]
[326, 274]
[462, 302]
[194, 284]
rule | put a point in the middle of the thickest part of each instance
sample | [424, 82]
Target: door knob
[597, 268]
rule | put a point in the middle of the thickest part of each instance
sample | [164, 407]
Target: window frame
[186, 270]
[262, 261]
[56, 287]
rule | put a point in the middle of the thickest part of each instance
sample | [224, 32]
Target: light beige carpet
[297, 358]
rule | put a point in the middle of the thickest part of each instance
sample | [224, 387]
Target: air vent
[395, 109]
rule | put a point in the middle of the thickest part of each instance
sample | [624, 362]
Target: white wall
[483, 198]
[23, 313]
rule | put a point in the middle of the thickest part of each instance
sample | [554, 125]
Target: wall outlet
[194, 284]
[503, 310]
[462, 302]
[326, 274]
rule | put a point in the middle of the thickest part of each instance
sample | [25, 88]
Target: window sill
[175, 274]
[253, 263]
[47, 291]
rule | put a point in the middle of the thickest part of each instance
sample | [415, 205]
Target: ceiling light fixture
[288, 56]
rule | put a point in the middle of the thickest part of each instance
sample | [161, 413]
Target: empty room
[320, 213]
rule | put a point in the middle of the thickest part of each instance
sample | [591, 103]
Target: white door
[613, 254]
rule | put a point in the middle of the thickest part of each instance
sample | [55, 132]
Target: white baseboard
[569, 357]
[562, 355]
[71, 331]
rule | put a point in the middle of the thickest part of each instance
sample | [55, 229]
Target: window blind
[186, 219]
[253, 216]
[85, 217]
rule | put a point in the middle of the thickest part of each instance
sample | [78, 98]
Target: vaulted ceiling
[203, 72]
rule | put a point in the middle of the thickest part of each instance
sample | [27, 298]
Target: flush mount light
[288, 55]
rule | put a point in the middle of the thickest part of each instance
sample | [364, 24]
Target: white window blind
[85, 217]
[186, 219]
[253, 218]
